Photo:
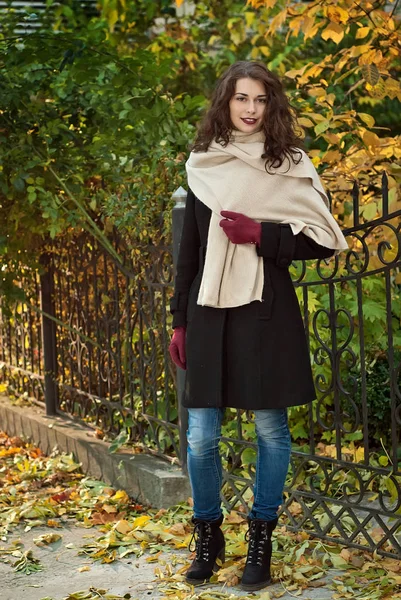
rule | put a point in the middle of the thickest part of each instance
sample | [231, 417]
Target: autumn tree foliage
[97, 113]
[344, 67]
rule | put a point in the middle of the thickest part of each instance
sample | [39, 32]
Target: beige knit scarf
[234, 178]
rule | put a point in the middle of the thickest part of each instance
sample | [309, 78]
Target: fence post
[180, 196]
[48, 334]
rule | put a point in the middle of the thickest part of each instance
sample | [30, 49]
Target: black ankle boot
[209, 546]
[257, 568]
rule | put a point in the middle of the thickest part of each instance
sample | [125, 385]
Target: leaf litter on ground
[92, 594]
[26, 563]
[38, 490]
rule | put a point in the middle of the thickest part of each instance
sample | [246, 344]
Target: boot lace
[201, 536]
[258, 537]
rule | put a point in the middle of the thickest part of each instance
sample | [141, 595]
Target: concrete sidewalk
[136, 576]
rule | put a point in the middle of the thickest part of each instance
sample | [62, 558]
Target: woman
[255, 203]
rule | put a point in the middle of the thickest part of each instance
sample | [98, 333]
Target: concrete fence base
[146, 478]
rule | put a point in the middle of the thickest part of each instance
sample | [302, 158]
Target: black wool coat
[253, 356]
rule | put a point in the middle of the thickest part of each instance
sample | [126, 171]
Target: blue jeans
[204, 462]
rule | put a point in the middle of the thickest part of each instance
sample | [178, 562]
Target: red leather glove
[177, 347]
[240, 229]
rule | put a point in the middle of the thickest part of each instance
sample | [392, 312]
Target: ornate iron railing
[100, 353]
[21, 351]
[113, 365]
[348, 492]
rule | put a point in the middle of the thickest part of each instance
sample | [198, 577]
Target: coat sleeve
[279, 243]
[187, 264]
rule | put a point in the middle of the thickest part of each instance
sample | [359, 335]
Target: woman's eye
[241, 98]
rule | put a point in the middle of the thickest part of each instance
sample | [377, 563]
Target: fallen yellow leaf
[235, 517]
[177, 529]
[53, 523]
[120, 496]
[346, 554]
[123, 526]
[109, 508]
[140, 521]
[47, 538]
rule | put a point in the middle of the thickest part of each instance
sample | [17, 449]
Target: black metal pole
[48, 335]
[177, 221]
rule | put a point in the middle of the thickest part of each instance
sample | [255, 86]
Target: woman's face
[248, 105]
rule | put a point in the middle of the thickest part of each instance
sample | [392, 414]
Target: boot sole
[197, 582]
[252, 587]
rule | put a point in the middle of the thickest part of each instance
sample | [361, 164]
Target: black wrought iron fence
[21, 352]
[101, 344]
[345, 472]
[104, 358]
[112, 362]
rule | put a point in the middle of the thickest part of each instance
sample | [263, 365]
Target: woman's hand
[177, 347]
[240, 229]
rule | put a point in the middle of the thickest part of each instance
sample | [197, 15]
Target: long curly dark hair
[279, 117]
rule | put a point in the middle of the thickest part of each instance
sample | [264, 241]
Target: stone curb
[147, 478]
